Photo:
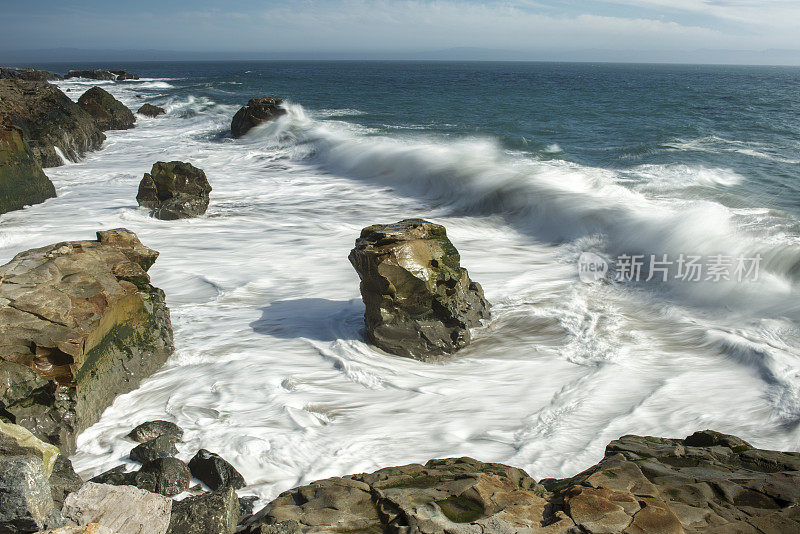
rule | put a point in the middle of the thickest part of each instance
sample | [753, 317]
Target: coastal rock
[643, 485]
[28, 74]
[117, 476]
[63, 480]
[167, 476]
[209, 513]
[149, 110]
[214, 471]
[419, 301]
[105, 75]
[83, 316]
[48, 118]
[160, 447]
[91, 528]
[174, 190]
[22, 181]
[123, 509]
[152, 429]
[123, 75]
[107, 111]
[26, 502]
[257, 111]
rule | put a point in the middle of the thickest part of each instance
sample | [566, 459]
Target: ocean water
[528, 166]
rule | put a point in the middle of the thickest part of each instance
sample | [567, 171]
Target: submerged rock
[28, 74]
[107, 111]
[643, 485]
[83, 317]
[153, 429]
[419, 301]
[209, 513]
[174, 190]
[149, 110]
[214, 471]
[167, 476]
[48, 120]
[160, 447]
[257, 111]
[22, 181]
[123, 509]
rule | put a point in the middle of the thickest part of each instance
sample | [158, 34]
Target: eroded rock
[22, 181]
[107, 111]
[419, 301]
[257, 111]
[149, 110]
[174, 190]
[123, 509]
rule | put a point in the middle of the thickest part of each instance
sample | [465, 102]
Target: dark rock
[153, 429]
[214, 471]
[167, 476]
[419, 301]
[107, 111]
[149, 110]
[85, 318]
[174, 190]
[63, 480]
[210, 513]
[246, 506]
[106, 75]
[160, 447]
[48, 118]
[22, 181]
[117, 476]
[31, 75]
[122, 75]
[257, 111]
[644, 485]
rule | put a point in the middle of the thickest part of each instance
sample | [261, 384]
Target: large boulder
[214, 471]
[22, 181]
[149, 110]
[419, 301]
[80, 323]
[644, 485]
[29, 74]
[257, 111]
[26, 463]
[110, 113]
[174, 190]
[167, 476]
[123, 509]
[49, 120]
[209, 513]
[150, 430]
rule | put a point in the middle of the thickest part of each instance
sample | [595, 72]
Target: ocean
[531, 167]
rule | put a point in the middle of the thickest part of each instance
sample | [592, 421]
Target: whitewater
[271, 370]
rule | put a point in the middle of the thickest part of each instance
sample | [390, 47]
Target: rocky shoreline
[81, 323]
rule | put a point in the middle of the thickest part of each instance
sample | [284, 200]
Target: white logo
[591, 267]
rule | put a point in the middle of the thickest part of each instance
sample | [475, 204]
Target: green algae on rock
[22, 181]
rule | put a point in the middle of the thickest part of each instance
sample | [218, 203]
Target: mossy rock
[22, 181]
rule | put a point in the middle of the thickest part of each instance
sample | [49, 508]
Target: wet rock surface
[149, 110]
[22, 181]
[160, 447]
[108, 112]
[257, 111]
[214, 471]
[80, 323]
[419, 301]
[150, 430]
[174, 190]
[167, 476]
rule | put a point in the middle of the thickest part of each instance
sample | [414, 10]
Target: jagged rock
[257, 111]
[174, 190]
[48, 118]
[153, 429]
[91, 528]
[26, 502]
[644, 485]
[209, 513]
[214, 471]
[246, 506]
[105, 75]
[22, 181]
[83, 316]
[122, 75]
[123, 509]
[63, 480]
[117, 476]
[167, 476]
[160, 447]
[28, 74]
[419, 301]
[149, 110]
[107, 111]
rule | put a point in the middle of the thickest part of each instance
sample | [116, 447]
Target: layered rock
[257, 111]
[174, 190]
[419, 301]
[80, 323]
[149, 110]
[708, 482]
[29, 74]
[107, 111]
[22, 181]
[48, 118]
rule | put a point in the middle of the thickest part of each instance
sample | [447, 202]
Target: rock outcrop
[123, 75]
[209, 513]
[48, 118]
[80, 323]
[257, 111]
[107, 111]
[32, 75]
[149, 110]
[708, 482]
[22, 181]
[174, 190]
[419, 301]
[123, 509]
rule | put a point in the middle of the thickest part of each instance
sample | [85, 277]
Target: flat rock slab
[123, 509]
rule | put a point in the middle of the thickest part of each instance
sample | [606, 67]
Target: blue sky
[325, 26]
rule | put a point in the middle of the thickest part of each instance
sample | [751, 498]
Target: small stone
[161, 447]
[117, 476]
[152, 429]
[167, 476]
[214, 471]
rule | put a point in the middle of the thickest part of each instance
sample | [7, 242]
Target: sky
[519, 29]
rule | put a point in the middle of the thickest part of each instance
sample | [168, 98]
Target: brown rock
[257, 111]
